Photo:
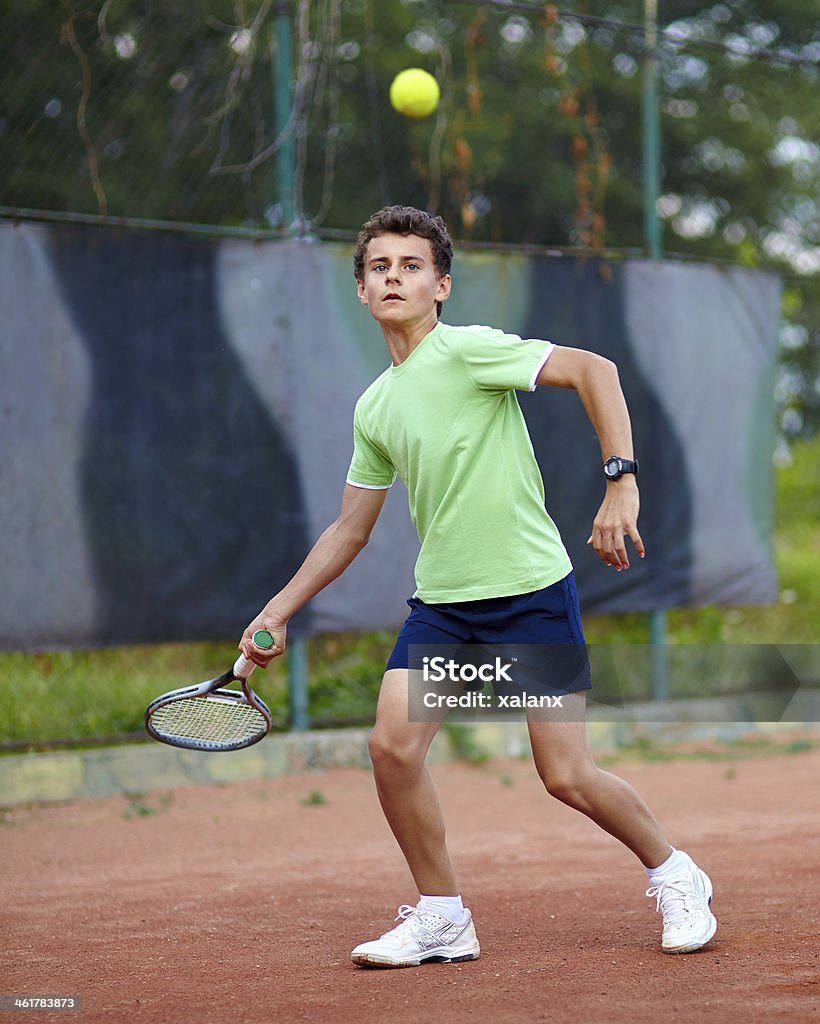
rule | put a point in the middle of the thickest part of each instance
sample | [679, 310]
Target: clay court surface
[240, 903]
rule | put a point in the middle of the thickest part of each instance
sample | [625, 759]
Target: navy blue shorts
[548, 617]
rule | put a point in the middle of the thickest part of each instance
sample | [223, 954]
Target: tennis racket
[208, 717]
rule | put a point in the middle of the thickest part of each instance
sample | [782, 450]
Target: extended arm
[328, 558]
[596, 381]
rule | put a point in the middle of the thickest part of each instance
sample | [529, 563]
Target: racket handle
[243, 666]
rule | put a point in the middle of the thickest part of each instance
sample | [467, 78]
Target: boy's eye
[380, 268]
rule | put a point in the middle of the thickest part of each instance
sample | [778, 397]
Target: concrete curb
[142, 767]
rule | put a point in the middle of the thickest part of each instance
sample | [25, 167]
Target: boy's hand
[617, 519]
[277, 626]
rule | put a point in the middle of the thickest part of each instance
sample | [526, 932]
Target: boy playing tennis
[492, 569]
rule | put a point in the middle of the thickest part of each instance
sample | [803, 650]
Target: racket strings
[209, 719]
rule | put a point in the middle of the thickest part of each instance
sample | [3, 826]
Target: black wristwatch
[615, 467]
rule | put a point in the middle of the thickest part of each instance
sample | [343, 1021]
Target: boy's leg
[566, 767]
[564, 763]
[439, 928]
[398, 748]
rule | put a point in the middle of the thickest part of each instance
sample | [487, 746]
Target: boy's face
[400, 285]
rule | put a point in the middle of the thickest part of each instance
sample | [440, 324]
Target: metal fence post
[650, 119]
[298, 684]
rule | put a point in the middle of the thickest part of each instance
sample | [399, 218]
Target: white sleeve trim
[547, 353]
[369, 487]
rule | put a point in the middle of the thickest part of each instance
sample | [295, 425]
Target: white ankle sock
[675, 864]
[450, 907]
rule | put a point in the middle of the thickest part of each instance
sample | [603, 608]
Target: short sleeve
[501, 362]
[370, 465]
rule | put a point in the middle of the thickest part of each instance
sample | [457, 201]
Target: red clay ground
[240, 903]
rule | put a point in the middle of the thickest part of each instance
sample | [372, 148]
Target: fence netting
[183, 111]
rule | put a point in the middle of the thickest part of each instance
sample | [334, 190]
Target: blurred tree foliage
[129, 108]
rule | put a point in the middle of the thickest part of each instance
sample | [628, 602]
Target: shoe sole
[374, 960]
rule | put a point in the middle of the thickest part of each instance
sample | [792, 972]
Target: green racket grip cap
[263, 639]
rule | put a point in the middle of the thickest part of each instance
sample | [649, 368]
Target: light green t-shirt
[447, 420]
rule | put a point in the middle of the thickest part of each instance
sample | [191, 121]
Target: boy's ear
[444, 285]
[361, 292]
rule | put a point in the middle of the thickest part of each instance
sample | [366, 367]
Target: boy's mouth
[393, 296]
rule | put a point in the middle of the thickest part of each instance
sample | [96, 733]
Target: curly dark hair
[406, 220]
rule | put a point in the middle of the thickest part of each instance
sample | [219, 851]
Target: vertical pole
[282, 33]
[297, 684]
[659, 667]
[651, 134]
[285, 155]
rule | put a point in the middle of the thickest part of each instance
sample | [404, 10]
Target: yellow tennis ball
[414, 93]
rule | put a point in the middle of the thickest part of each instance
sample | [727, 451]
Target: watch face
[612, 467]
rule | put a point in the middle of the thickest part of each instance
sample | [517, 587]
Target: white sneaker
[688, 923]
[422, 937]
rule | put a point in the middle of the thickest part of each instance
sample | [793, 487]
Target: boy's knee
[570, 786]
[563, 788]
[390, 753]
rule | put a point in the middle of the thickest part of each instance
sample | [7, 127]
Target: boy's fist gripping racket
[206, 717]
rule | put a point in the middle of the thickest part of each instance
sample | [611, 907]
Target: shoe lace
[405, 914]
[674, 899]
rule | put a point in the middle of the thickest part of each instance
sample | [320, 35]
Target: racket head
[209, 717]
